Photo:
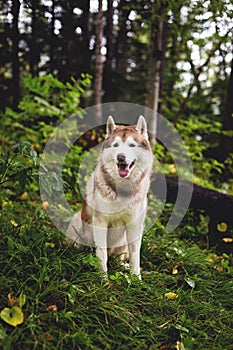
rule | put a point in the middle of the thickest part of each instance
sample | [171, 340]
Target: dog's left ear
[142, 126]
[111, 126]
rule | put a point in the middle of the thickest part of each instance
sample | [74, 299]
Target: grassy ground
[69, 306]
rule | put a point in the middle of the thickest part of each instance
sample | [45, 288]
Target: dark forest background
[172, 56]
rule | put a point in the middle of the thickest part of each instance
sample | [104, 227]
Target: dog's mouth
[125, 168]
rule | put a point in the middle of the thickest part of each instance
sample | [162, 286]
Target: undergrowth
[54, 297]
[184, 300]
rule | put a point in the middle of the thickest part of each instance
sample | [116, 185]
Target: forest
[58, 60]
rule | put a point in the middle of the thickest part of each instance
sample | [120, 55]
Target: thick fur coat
[114, 207]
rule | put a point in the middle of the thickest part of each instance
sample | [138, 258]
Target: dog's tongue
[123, 170]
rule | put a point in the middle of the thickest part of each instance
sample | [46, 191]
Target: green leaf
[13, 316]
[22, 300]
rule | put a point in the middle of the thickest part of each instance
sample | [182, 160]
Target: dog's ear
[142, 126]
[111, 126]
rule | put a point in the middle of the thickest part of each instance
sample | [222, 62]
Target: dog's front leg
[134, 244]
[100, 231]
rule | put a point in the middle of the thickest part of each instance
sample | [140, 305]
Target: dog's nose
[121, 157]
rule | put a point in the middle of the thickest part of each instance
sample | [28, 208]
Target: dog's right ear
[142, 126]
[111, 126]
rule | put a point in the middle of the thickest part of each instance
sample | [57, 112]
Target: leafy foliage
[46, 102]
[18, 164]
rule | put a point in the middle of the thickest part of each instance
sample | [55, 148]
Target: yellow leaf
[23, 196]
[171, 296]
[44, 205]
[222, 227]
[13, 223]
[212, 258]
[13, 316]
[5, 204]
[227, 240]
[172, 168]
[175, 270]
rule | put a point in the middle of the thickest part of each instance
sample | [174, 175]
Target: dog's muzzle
[124, 167]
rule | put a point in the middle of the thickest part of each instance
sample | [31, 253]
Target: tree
[226, 143]
[35, 46]
[84, 42]
[98, 83]
[15, 52]
[52, 39]
[157, 47]
[110, 42]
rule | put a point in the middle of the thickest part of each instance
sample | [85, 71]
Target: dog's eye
[132, 145]
[115, 144]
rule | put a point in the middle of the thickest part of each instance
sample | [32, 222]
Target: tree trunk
[15, 53]
[83, 47]
[98, 83]
[226, 142]
[85, 25]
[67, 31]
[218, 206]
[109, 33]
[121, 43]
[108, 83]
[155, 68]
[34, 57]
[52, 46]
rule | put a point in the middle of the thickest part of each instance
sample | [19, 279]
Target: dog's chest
[119, 206]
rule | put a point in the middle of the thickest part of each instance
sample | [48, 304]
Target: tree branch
[196, 74]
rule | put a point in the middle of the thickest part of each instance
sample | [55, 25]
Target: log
[218, 206]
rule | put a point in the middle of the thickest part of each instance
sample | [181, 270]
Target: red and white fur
[114, 207]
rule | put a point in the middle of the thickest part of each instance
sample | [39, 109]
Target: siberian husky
[114, 206]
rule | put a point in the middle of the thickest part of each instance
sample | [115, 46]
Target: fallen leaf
[44, 205]
[222, 227]
[227, 239]
[12, 301]
[219, 269]
[172, 168]
[13, 316]
[49, 244]
[13, 223]
[175, 270]
[24, 196]
[52, 308]
[5, 204]
[171, 296]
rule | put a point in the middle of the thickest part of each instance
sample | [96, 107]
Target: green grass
[69, 306]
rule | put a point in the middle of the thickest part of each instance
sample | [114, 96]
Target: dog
[114, 206]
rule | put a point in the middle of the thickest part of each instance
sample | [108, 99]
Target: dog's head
[126, 147]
